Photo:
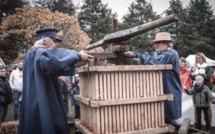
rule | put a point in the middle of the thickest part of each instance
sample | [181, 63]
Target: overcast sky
[121, 6]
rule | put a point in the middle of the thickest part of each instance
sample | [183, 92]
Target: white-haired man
[42, 105]
[171, 79]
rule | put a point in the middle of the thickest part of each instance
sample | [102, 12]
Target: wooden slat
[151, 104]
[97, 110]
[124, 68]
[131, 97]
[146, 95]
[106, 108]
[154, 103]
[138, 105]
[135, 96]
[110, 129]
[102, 114]
[160, 88]
[162, 103]
[128, 106]
[91, 112]
[148, 104]
[113, 96]
[120, 107]
[124, 97]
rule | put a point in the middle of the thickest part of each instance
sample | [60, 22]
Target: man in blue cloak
[164, 54]
[42, 108]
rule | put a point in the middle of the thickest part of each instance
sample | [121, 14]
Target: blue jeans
[16, 96]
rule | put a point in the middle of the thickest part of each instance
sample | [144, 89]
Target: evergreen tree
[7, 7]
[96, 19]
[211, 35]
[64, 6]
[196, 29]
[175, 28]
[140, 12]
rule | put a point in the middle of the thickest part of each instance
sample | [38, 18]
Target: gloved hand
[213, 102]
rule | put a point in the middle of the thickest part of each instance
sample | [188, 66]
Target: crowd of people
[43, 85]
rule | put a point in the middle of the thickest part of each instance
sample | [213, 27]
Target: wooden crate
[122, 99]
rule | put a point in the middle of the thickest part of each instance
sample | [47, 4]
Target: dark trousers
[66, 104]
[77, 112]
[3, 112]
[206, 115]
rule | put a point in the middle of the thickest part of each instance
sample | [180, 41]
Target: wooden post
[184, 127]
[115, 25]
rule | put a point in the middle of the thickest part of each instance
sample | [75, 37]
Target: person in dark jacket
[64, 90]
[75, 103]
[202, 68]
[202, 97]
[5, 94]
[42, 109]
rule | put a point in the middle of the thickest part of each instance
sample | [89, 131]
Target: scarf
[201, 68]
[198, 88]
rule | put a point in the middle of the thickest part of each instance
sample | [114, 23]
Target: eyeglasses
[2, 71]
[160, 42]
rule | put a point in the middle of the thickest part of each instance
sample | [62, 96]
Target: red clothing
[212, 79]
[185, 78]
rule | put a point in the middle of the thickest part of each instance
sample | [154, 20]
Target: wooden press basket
[122, 99]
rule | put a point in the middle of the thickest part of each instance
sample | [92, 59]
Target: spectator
[75, 103]
[69, 88]
[171, 79]
[202, 97]
[202, 68]
[188, 65]
[42, 109]
[184, 74]
[5, 94]
[64, 90]
[16, 84]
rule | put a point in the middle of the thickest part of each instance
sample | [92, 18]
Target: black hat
[48, 32]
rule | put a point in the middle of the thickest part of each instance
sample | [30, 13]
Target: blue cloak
[171, 79]
[42, 110]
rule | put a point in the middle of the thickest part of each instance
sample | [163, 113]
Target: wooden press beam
[99, 103]
[128, 33]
